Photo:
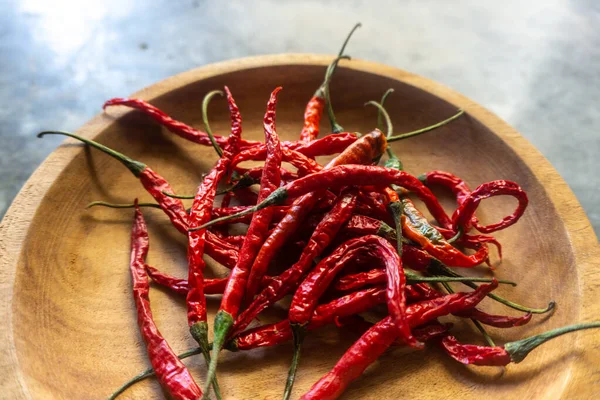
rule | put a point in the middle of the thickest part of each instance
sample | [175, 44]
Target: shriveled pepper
[511, 352]
[257, 231]
[377, 339]
[173, 376]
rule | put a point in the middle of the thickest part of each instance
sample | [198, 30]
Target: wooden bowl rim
[14, 227]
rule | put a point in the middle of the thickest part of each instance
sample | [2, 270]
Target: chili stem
[298, 333]
[134, 166]
[113, 205]
[179, 196]
[519, 349]
[148, 373]
[426, 129]
[441, 268]
[205, 102]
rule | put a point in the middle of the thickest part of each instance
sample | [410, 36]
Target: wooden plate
[69, 327]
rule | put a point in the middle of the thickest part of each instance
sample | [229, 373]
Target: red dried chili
[257, 231]
[510, 352]
[170, 371]
[200, 214]
[377, 339]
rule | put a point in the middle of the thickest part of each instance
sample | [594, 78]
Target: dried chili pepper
[154, 184]
[232, 297]
[305, 299]
[304, 164]
[170, 371]
[177, 127]
[281, 285]
[377, 339]
[180, 286]
[510, 352]
[315, 106]
[464, 213]
[200, 214]
[417, 228]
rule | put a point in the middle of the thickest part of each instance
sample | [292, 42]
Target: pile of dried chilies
[361, 241]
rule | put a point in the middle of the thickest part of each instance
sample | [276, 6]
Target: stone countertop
[536, 64]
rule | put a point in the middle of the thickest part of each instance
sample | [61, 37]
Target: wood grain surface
[68, 320]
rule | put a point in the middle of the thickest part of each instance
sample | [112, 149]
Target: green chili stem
[113, 205]
[414, 278]
[397, 209]
[477, 324]
[205, 102]
[276, 197]
[519, 349]
[298, 333]
[386, 116]
[222, 325]
[458, 235]
[439, 268]
[134, 166]
[426, 129]
[148, 373]
[178, 196]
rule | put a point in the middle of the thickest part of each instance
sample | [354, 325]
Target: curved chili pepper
[320, 239]
[377, 339]
[200, 214]
[180, 286]
[288, 280]
[305, 299]
[257, 231]
[363, 151]
[510, 352]
[418, 229]
[154, 184]
[464, 213]
[304, 164]
[272, 334]
[177, 127]
[170, 371]
[331, 144]
[314, 108]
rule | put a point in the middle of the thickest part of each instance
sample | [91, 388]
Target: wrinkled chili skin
[170, 371]
[322, 236]
[259, 226]
[305, 165]
[312, 119]
[362, 175]
[320, 239]
[465, 212]
[314, 285]
[416, 228]
[475, 355]
[331, 144]
[177, 127]
[155, 185]
[201, 213]
[180, 286]
[377, 339]
[364, 150]
[272, 334]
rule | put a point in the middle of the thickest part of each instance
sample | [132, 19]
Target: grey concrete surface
[535, 63]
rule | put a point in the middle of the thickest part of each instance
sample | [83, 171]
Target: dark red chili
[177, 127]
[377, 339]
[154, 184]
[200, 214]
[510, 352]
[464, 213]
[257, 231]
[170, 371]
[288, 280]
